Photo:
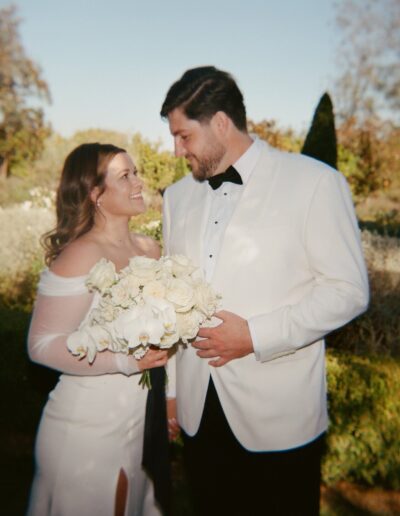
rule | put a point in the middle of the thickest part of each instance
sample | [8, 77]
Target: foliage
[369, 83]
[22, 128]
[384, 223]
[21, 256]
[100, 136]
[363, 439]
[148, 223]
[47, 168]
[320, 142]
[15, 190]
[158, 168]
[369, 156]
[367, 96]
[268, 130]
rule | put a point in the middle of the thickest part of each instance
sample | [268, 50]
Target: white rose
[120, 295]
[144, 269]
[188, 325]
[131, 284]
[101, 276]
[154, 289]
[207, 301]
[108, 312]
[181, 295]
[179, 265]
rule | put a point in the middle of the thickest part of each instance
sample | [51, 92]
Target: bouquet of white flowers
[149, 302]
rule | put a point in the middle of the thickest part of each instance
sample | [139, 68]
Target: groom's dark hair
[203, 91]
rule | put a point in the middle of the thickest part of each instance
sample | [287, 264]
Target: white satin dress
[93, 423]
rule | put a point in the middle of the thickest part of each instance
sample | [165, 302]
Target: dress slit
[121, 494]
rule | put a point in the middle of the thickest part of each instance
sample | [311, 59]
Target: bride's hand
[153, 358]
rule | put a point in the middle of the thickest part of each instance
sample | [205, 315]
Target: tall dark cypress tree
[320, 142]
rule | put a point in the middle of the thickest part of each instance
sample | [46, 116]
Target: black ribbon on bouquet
[155, 443]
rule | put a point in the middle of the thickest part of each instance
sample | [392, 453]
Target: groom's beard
[204, 166]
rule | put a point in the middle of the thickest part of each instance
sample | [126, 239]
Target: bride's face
[123, 188]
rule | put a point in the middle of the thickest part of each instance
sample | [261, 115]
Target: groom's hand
[223, 343]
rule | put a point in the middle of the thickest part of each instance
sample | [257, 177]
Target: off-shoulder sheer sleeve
[62, 304]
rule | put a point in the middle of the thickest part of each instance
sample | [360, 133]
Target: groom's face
[198, 142]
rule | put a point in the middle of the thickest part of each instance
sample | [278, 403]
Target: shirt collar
[247, 161]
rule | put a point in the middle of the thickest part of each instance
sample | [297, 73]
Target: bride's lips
[136, 196]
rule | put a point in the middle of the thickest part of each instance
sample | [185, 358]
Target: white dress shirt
[220, 205]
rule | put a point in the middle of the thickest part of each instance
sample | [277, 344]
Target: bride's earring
[98, 204]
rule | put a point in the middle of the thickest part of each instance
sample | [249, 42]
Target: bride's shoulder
[146, 245]
[77, 258]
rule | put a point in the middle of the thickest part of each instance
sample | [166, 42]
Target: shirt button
[225, 193]
[210, 255]
[216, 222]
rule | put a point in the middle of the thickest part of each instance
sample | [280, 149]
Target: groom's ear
[221, 123]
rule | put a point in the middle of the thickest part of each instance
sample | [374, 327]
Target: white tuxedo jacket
[291, 263]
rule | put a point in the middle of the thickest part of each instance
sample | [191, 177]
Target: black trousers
[226, 479]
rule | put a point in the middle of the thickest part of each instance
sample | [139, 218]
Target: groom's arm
[340, 290]
[339, 293]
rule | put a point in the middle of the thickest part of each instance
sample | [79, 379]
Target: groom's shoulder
[294, 162]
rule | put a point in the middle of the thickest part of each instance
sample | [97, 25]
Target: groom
[277, 236]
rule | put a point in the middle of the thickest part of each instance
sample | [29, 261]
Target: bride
[90, 438]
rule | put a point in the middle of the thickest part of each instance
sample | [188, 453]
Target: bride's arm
[54, 318]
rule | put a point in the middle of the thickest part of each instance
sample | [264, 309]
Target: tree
[320, 142]
[369, 58]
[22, 128]
[369, 156]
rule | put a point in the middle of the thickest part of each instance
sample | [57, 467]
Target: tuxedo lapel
[257, 192]
[254, 201]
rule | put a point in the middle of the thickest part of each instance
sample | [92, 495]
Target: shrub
[21, 256]
[363, 439]
[148, 223]
[363, 375]
[377, 330]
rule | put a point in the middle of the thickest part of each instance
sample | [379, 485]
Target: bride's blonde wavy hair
[84, 169]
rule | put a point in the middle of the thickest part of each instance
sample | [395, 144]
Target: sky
[109, 64]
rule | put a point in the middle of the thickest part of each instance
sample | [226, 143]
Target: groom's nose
[180, 151]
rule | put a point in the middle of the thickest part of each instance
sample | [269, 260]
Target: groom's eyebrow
[178, 131]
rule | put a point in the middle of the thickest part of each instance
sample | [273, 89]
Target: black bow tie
[231, 174]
